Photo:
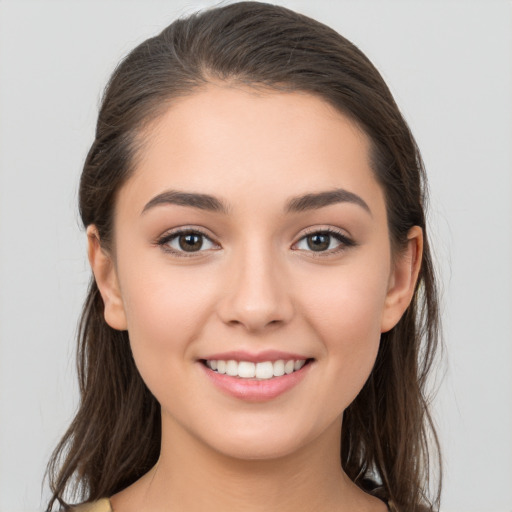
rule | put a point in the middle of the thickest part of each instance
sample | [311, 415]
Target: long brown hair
[115, 436]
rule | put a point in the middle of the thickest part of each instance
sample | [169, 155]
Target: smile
[256, 378]
[263, 370]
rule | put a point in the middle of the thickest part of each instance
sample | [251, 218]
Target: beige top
[95, 506]
[104, 506]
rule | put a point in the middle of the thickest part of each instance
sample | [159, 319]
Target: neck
[190, 476]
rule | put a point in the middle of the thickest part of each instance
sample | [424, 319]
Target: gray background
[449, 64]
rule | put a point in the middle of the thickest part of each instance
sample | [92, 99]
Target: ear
[403, 279]
[106, 278]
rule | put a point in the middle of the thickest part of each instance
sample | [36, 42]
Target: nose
[257, 295]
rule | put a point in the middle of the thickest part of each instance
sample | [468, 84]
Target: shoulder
[102, 505]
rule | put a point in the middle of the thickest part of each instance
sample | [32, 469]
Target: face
[252, 268]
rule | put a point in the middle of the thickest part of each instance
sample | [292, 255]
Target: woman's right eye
[182, 242]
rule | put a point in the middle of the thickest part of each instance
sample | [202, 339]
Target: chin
[259, 442]
[259, 449]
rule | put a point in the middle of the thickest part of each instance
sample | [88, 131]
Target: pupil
[191, 242]
[318, 242]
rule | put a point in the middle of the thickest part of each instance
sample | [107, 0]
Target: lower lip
[256, 390]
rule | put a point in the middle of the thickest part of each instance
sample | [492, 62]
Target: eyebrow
[322, 199]
[191, 199]
[297, 204]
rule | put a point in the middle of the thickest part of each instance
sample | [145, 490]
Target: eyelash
[344, 241]
[168, 237]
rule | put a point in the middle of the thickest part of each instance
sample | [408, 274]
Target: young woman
[263, 313]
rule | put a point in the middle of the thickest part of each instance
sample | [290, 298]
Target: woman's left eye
[186, 242]
[324, 241]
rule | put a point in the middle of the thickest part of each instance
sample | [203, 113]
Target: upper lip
[266, 355]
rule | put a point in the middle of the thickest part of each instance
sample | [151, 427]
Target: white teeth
[264, 370]
[288, 367]
[221, 366]
[232, 368]
[297, 365]
[248, 370]
[279, 368]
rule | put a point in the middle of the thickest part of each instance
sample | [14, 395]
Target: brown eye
[328, 242]
[318, 241]
[181, 242]
[190, 242]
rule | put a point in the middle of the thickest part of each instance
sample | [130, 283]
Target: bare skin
[254, 282]
[293, 484]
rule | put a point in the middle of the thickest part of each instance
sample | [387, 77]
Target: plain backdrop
[449, 64]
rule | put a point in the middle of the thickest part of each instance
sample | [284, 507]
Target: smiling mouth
[264, 370]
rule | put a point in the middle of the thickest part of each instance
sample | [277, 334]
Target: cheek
[346, 316]
[347, 303]
[165, 311]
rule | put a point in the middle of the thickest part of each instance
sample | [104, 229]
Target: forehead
[241, 143]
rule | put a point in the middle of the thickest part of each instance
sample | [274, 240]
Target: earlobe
[403, 279]
[106, 278]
